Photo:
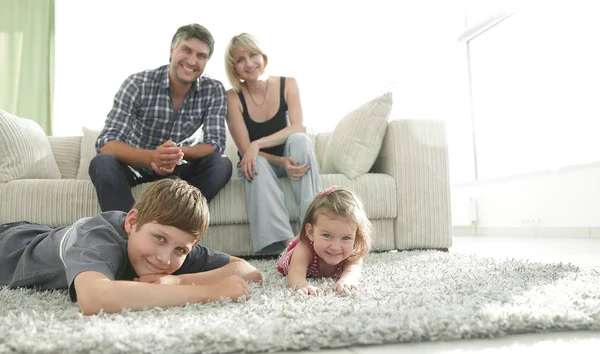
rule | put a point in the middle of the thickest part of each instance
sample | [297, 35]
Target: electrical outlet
[531, 222]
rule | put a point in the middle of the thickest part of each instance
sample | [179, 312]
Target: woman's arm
[96, 292]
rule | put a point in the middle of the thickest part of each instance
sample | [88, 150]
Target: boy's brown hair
[174, 202]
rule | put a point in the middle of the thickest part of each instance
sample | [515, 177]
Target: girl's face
[249, 65]
[333, 237]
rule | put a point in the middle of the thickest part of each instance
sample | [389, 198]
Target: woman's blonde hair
[346, 204]
[243, 42]
[174, 202]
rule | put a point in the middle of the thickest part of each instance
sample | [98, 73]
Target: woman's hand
[248, 163]
[293, 168]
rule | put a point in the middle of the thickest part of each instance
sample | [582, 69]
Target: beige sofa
[406, 191]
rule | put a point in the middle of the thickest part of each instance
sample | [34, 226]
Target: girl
[334, 238]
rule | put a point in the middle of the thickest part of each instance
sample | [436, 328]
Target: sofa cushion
[356, 140]
[24, 150]
[66, 150]
[87, 152]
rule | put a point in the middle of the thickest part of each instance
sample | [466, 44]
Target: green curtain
[27, 59]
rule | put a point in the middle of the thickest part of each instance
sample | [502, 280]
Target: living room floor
[583, 252]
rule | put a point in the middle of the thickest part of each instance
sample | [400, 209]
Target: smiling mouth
[154, 268]
[187, 69]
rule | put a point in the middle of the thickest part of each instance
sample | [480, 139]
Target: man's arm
[96, 292]
[214, 133]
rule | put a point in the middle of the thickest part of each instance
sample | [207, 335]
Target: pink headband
[327, 191]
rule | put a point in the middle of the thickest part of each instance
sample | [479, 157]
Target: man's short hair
[197, 31]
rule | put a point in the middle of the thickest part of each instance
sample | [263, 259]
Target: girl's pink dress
[283, 263]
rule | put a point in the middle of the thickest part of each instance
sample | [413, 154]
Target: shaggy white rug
[403, 296]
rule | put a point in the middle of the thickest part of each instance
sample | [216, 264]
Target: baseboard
[572, 232]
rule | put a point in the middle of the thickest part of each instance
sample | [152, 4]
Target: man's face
[155, 248]
[188, 60]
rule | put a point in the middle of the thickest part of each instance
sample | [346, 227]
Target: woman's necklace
[264, 96]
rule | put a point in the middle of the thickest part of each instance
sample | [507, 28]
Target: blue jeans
[113, 179]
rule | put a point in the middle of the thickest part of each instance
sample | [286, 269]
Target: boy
[148, 257]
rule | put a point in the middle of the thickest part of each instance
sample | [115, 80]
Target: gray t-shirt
[33, 255]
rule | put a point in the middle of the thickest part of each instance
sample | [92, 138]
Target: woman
[264, 116]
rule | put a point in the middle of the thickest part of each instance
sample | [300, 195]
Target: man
[151, 131]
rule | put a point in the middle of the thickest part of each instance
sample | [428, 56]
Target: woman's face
[249, 65]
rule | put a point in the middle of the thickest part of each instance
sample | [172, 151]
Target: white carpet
[404, 296]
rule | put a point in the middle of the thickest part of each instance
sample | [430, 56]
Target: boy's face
[156, 248]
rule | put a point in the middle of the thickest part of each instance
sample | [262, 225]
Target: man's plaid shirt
[143, 116]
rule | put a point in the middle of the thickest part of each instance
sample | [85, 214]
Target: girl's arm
[349, 278]
[296, 277]
[96, 292]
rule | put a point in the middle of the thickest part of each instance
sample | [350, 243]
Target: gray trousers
[265, 200]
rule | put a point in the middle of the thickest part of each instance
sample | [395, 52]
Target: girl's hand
[340, 287]
[164, 279]
[308, 290]
[248, 163]
[293, 168]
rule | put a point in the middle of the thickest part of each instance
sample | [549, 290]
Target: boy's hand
[308, 290]
[233, 287]
[340, 287]
[164, 279]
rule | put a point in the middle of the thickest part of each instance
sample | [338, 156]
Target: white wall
[567, 197]
[535, 88]
[341, 52]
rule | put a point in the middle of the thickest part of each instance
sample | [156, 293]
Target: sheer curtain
[27, 59]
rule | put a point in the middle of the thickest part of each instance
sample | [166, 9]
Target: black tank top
[257, 130]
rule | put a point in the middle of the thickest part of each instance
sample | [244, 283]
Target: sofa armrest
[415, 154]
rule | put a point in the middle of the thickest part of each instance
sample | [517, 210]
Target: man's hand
[165, 158]
[308, 290]
[293, 168]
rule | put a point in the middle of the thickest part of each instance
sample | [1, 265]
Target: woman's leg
[267, 214]
[300, 147]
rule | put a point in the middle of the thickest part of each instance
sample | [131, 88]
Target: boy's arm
[236, 266]
[350, 276]
[96, 292]
[296, 277]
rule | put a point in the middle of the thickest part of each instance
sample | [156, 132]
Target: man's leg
[113, 181]
[209, 174]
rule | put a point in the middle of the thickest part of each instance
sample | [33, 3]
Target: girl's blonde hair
[243, 42]
[346, 204]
